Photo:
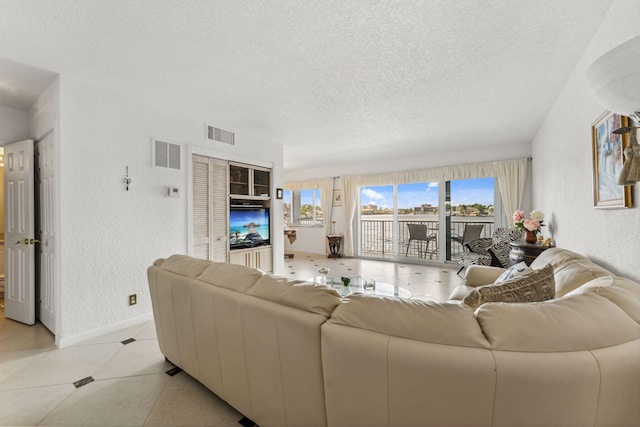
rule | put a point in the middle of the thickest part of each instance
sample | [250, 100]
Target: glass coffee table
[360, 285]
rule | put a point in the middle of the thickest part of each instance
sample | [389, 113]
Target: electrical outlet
[133, 299]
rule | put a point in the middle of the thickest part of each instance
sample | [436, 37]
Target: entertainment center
[250, 216]
[232, 212]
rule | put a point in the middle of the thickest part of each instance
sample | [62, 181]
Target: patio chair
[471, 232]
[418, 233]
[493, 251]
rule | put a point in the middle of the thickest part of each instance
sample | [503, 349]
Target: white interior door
[19, 233]
[46, 304]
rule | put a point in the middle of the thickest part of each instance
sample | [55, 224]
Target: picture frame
[337, 198]
[608, 159]
[279, 193]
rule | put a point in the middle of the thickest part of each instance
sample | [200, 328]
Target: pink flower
[531, 224]
[518, 216]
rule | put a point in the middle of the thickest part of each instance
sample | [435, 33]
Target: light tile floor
[130, 386]
[425, 282]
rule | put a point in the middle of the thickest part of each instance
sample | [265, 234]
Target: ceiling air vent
[166, 155]
[220, 135]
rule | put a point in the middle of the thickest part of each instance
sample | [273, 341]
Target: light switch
[173, 191]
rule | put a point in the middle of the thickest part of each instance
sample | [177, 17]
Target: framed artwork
[608, 159]
[337, 198]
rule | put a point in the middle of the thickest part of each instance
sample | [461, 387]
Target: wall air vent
[166, 154]
[220, 135]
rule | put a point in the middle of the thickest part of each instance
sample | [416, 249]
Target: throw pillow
[519, 269]
[539, 285]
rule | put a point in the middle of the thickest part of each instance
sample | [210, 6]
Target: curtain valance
[445, 173]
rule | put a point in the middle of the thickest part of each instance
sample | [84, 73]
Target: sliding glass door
[426, 220]
[418, 228]
[377, 217]
[470, 213]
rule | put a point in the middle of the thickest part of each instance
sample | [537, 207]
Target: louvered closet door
[210, 208]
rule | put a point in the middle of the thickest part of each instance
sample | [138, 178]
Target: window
[442, 212]
[302, 207]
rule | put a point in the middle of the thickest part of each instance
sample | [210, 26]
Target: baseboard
[75, 339]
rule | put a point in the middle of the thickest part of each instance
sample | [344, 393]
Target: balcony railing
[376, 236]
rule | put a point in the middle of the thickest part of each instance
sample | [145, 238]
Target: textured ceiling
[326, 78]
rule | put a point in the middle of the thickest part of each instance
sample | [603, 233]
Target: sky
[467, 191]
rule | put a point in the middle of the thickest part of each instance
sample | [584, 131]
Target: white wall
[110, 236]
[562, 183]
[14, 125]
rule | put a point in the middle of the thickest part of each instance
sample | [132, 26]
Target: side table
[290, 234]
[523, 251]
[334, 245]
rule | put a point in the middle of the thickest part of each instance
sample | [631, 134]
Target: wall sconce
[630, 172]
[127, 180]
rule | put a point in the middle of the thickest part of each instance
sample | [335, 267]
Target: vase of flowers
[532, 225]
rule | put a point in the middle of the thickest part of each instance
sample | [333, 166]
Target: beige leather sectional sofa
[286, 353]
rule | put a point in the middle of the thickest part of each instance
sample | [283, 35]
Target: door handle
[26, 241]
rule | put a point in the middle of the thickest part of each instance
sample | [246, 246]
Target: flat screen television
[248, 227]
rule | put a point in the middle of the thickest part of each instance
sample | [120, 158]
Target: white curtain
[511, 176]
[326, 204]
[350, 202]
[511, 179]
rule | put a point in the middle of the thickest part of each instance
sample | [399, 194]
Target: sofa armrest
[478, 275]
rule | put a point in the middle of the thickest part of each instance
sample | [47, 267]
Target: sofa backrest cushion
[622, 292]
[571, 270]
[235, 277]
[296, 293]
[538, 285]
[438, 323]
[184, 265]
[580, 322]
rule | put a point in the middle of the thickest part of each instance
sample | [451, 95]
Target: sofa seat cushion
[459, 292]
[184, 265]
[571, 270]
[235, 277]
[306, 296]
[438, 323]
[538, 285]
[580, 322]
